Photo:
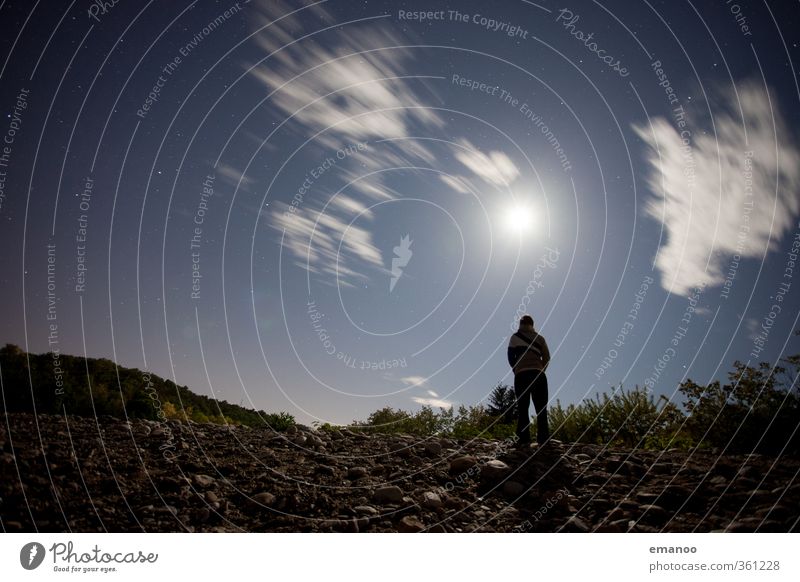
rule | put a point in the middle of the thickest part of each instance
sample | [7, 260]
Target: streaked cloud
[233, 176]
[455, 183]
[341, 98]
[495, 167]
[413, 380]
[703, 196]
[433, 402]
[342, 88]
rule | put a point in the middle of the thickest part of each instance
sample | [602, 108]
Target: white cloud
[234, 176]
[345, 98]
[701, 196]
[432, 399]
[457, 184]
[413, 380]
[319, 241]
[495, 167]
[342, 88]
[433, 402]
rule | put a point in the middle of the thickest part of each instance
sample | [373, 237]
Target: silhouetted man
[528, 356]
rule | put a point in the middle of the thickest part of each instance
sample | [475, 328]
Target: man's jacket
[527, 351]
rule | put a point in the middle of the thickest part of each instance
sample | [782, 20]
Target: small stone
[389, 494]
[618, 513]
[365, 510]
[357, 473]
[654, 513]
[410, 524]
[513, 488]
[646, 496]
[495, 469]
[203, 480]
[341, 525]
[433, 448]
[264, 498]
[576, 524]
[211, 497]
[618, 526]
[718, 480]
[171, 509]
[461, 464]
[431, 500]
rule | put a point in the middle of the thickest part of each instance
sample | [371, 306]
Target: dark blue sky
[333, 207]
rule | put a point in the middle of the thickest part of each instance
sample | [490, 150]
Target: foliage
[630, 418]
[279, 421]
[758, 409]
[503, 403]
[55, 384]
[466, 422]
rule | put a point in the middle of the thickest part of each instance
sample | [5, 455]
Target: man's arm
[513, 356]
[545, 354]
[516, 347]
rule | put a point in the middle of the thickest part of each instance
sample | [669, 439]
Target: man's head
[526, 321]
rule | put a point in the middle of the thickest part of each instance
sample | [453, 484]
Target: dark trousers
[531, 384]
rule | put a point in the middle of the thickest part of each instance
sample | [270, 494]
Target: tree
[756, 410]
[503, 404]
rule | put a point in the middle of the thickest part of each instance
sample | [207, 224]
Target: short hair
[526, 320]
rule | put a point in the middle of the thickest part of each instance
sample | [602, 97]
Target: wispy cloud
[343, 93]
[343, 87]
[456, 184]
[735, 192]
[433, 402]
[495, 167]
[414, 380]
[432, 398]
[321, 241]
[233, 176]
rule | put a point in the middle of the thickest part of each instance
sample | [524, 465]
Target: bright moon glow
[520, 218]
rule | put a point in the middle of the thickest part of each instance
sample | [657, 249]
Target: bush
[465, 423]
[279, 421]
[757, 410]
[632, 418]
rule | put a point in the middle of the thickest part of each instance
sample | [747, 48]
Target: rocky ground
[105, 474]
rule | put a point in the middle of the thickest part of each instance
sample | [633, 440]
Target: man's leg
[522, 389]
[539, 393]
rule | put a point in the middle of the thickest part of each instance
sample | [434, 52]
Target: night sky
[334, 207]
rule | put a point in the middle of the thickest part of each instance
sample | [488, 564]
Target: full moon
[519, 218]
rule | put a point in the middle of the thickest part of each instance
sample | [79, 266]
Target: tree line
[756, 410]
[56, 384]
